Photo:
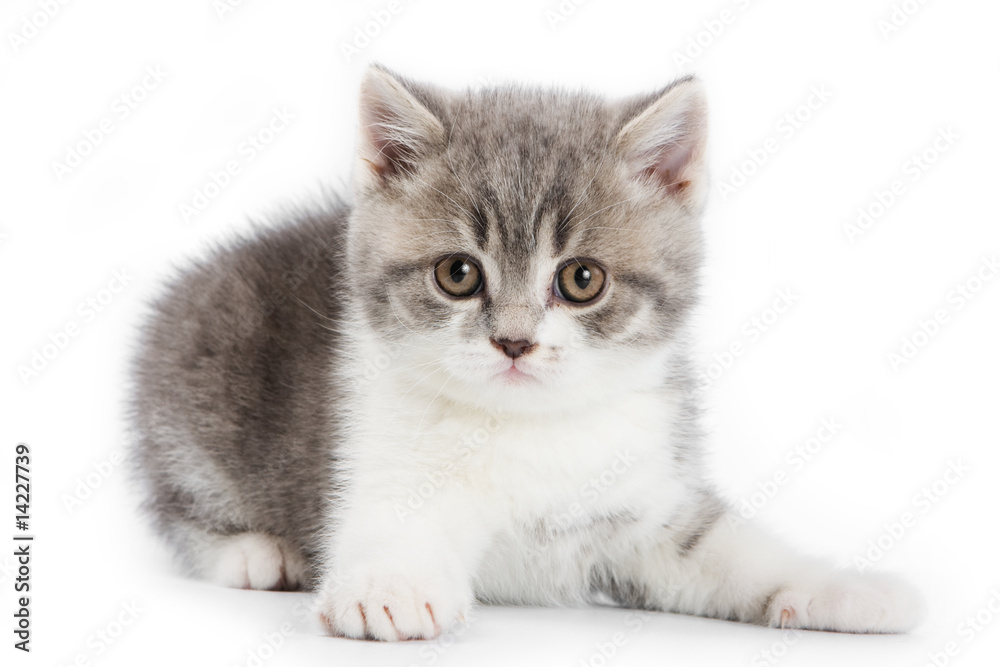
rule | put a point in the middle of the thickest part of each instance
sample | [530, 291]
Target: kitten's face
[521, 247]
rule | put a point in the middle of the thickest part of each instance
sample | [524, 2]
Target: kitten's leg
[716, 567]
[250, 560]
[393, 576]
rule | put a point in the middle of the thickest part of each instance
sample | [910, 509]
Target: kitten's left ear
[665, 141]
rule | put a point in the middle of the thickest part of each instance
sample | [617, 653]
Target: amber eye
[458, 276]
[580, 281]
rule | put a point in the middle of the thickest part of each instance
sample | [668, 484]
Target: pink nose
[513, 348]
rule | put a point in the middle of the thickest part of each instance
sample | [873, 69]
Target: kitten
[473, 384]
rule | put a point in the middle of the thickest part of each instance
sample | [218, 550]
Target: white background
[62, 238]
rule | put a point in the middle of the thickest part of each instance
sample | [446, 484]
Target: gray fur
[239, 420]
[231, 397]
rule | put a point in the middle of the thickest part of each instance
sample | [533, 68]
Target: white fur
[253, 560]
[447, 500]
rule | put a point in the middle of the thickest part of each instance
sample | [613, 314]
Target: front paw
[387, 607]
[848, 603]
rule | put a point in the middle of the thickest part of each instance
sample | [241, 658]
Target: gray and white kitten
[473, 384]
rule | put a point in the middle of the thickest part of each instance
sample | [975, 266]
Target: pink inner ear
[387, 156]
[385, 153]
[668, 167]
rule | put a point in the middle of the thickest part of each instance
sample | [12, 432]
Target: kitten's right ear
[396, 128]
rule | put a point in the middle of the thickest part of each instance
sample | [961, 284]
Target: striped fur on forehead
[521, 180]
[523, 159]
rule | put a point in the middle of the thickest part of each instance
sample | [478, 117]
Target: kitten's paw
[258, 561]
[391, 608]
[849, 603]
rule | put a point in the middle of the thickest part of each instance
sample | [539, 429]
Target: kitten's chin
[523, 391]
[513, 394]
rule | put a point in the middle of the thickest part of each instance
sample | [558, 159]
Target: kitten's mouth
[515, 375]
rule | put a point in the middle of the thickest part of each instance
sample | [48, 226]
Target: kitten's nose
[513, 348]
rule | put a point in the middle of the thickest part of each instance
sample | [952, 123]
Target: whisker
[424, 415]
[395, 410]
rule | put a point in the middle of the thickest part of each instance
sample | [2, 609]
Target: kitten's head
[523, 248]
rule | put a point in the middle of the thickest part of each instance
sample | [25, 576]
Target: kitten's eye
[458, 276]
[579, 281]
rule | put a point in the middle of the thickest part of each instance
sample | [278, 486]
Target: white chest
[558, 470]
